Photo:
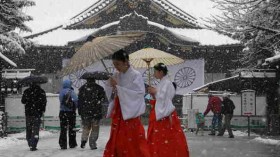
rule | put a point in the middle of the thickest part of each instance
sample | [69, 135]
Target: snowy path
[200, 146]
[49, 147]
[240, 146]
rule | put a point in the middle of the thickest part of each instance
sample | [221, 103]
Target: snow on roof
[272, 59]
[205, 36]
[61, 37]
[210, 83]
[83, 38]
[101, 4]
[176, 34]
[93, 9]
[8, 60]
[50, 13]
[176, 11]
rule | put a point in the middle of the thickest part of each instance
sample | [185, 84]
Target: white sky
[51, 13]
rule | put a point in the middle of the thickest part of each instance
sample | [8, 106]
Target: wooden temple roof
[132, 22]
[130, 16]
[139, 23]
[107, 11]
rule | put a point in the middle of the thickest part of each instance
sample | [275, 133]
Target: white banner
[187, 76]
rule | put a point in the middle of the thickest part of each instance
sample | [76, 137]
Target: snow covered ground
[15, 145]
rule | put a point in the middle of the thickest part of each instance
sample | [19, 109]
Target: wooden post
[1, 93]
[249, 128]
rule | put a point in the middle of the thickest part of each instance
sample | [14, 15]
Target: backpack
[67, 101]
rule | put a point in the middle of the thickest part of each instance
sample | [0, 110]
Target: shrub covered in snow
[13, 18]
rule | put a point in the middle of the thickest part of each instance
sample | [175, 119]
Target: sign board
[191, 118]
[248, 103]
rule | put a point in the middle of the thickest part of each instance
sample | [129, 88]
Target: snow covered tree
[256, 23]
[11, 18]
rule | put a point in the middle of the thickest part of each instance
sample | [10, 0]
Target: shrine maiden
[127, 137]
[165, 135]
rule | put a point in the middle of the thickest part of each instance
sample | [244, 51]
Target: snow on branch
[254, 22]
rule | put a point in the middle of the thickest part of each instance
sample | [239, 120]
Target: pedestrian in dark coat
[215, 105]
[67, 116]
[91, 97]
[227, 109]
[35, 102]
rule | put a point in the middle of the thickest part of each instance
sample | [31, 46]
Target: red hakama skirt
[127, 138]
[166, 137]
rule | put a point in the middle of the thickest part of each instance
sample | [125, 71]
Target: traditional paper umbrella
[149, 57]
[33, 79]
[98, 48]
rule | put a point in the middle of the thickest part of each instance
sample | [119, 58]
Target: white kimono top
[131, 91]
[165, 93]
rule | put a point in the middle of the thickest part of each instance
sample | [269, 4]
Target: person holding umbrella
[67, 115]
[35, 102]
[91, 97]
[165, 135]
[125, 91]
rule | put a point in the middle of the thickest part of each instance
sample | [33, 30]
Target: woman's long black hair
[162, 67]
[120, 55]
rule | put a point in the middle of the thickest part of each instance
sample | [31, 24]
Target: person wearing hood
[67, 115]
[35, 102]
[165, 135]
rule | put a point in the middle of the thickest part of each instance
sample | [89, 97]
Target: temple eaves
[107, 11]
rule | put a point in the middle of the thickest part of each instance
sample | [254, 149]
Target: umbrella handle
[104, 66]
[149, 74]
[148, 61]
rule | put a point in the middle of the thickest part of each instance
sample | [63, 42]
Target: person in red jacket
[215, 105]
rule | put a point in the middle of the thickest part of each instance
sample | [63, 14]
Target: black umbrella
[32, 80]
[96, 75]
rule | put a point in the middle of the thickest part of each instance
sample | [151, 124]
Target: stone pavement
[199, 146]
[240, 146]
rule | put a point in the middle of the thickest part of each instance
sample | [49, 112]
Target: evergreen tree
[256, 23]
[12, 18]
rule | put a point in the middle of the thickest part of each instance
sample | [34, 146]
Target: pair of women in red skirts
[165, 137]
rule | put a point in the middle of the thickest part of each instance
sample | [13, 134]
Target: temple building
[208, 55]
[166, 28]
[210, 58]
